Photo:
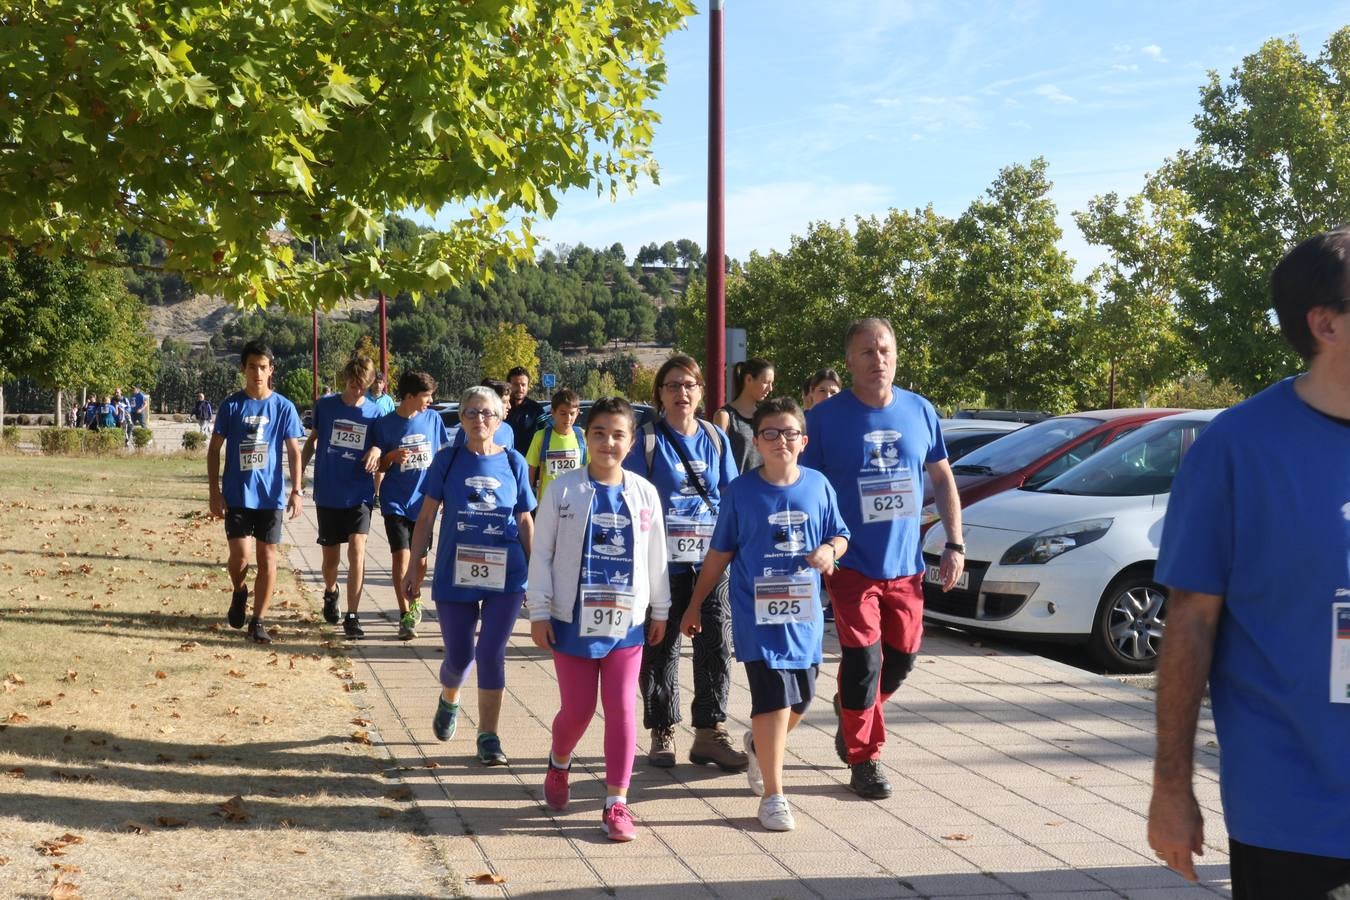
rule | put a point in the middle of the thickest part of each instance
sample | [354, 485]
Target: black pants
[659, 678]
[1263, 874]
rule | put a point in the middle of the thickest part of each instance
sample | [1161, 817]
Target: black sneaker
[238, 607]
[330, 610]
[257, 632]
[840, 747]
[352, 626]
[868, 782]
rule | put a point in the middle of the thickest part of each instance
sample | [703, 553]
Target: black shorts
[775, 689]
[263, 524]
[1262, 874]
[399, 530]
[336, 524]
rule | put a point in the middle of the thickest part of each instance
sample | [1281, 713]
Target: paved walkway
[1014, 776]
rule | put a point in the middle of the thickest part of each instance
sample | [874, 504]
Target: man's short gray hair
[868, 325]
[486, 394]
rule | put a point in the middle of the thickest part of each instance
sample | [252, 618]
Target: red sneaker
[618, 823]
[556, 790]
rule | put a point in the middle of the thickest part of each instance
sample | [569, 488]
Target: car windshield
[1023, 446]
[1137, 465]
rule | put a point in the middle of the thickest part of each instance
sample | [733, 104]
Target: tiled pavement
[1014, 776]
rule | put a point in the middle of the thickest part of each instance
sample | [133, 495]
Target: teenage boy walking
[254, 425]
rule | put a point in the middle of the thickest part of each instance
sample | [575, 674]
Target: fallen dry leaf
[235, 673]
[4, 860]
[360, 737]
[71, 675]
[233, 810]
[16, 718]
[68, 868]
[134, 827]
[42, 704]
[487, 878]
[957, 836]
[170, 822]
[161, 674]
[16, 772]
[364, 723]
[300, 851]
[15, 678]
[64, 890]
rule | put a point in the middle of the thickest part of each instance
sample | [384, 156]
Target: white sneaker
[752, 772]
[775, 814]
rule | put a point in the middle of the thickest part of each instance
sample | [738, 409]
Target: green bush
[141, 437]
[61, 441]
[104, 442]
[10, 435]
[193, 440]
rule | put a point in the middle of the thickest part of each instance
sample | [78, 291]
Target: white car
[1073, 559]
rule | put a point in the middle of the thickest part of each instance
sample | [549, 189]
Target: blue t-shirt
[713, 466]
[384, 403]
[137, 401]
[422, 434]
[344, 434]
[255, 433]
[606, 560]
[480, 497]
[770, 528]
[1260, 515]
[874, 459]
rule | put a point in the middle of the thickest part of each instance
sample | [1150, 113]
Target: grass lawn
[147, 749]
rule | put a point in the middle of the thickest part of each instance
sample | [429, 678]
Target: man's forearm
[1183, 670]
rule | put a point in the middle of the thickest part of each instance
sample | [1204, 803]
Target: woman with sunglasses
[481, 562]
[690, 461]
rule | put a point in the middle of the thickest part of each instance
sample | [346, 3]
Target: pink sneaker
[556, 791]
[618, 823]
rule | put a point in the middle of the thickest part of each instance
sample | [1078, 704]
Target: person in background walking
[202, 413]
[524, 412]
[754, 382]
[820, 387]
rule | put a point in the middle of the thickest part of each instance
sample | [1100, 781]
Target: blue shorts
[775, 689]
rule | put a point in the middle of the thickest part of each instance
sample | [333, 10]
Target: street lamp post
[716, 314]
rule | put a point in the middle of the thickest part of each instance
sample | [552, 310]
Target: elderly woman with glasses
[690, 461]
[481, 562]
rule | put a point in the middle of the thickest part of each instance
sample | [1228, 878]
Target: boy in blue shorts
[408, 438]
[779, 528]
[254, 425]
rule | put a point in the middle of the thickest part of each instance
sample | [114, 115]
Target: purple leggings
[617, 675]
[459, 627]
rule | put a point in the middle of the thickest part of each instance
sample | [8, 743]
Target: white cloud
[1120, 67]
[1152, 50]
[1054, 94]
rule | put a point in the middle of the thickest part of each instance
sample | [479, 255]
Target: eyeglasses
[676, 387]
[484, 414]
[791, 435]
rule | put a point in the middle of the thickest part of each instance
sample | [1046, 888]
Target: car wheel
[1127, 633]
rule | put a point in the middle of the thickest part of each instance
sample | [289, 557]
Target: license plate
[933, 575]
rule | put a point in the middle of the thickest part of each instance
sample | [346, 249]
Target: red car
[1033, 455]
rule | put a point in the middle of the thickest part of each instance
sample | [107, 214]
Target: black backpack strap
[688, 466]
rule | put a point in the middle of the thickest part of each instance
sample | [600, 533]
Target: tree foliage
[508, 347]
[206, 125]
[1270, 166]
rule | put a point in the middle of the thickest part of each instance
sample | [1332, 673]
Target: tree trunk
[60, 407]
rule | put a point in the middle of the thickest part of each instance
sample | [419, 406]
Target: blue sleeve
[812, 454]
[725, 534]
[938, 451]
[1196, 551]
[833, 523]
[505, 435]
[222, 426]
[434, 486]
[442, 433]
[727, 465]
[525, 501]
[293, 427]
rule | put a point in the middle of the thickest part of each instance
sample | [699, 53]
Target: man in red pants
[875, 443]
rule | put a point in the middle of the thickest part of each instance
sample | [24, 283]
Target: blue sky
[844, 108]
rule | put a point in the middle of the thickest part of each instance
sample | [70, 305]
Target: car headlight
[1044, 546]
[929, 514]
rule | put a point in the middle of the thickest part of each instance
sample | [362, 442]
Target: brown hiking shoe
[713, 746]
[662, 754]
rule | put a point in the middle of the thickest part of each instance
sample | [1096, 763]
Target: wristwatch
[952, 545]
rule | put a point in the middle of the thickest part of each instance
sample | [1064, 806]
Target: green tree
[510, 346]
[1270, 166]
[297, 385]
[1136, 329]
[206, 125]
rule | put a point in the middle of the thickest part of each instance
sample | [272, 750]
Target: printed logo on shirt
[609, 542]
[788, 534]
[254, 424]
[494, 529]
[482, 492]
[688, 486]
[882, 452]
[1345, 511]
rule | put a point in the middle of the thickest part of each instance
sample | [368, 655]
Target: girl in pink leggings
[598, 570]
